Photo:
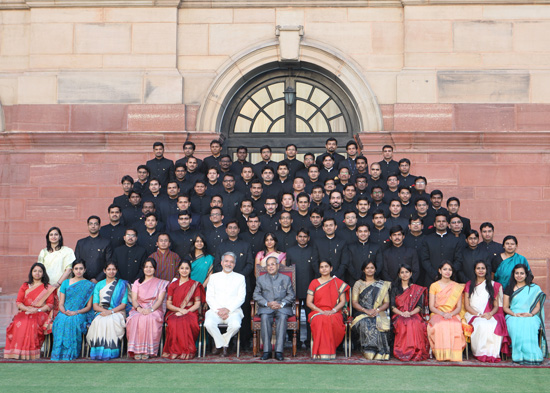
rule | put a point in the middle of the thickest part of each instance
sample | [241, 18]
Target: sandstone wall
[85, 90]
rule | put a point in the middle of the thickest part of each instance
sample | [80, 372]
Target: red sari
[327, 331]
[411, 340]
[182, 331]
[25, 334]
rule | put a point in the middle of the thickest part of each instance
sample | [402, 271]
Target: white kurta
[224, 290]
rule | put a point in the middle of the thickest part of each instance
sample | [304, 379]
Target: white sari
[484, 342]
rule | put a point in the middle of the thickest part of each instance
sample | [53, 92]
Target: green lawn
[77, 378]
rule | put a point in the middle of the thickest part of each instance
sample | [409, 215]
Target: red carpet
[301, 358]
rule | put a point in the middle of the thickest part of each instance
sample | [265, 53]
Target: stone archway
[333, 61]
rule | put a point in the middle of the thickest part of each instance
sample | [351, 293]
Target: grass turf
[77, 378]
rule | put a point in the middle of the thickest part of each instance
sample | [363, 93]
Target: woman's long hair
[488, 283]
[204, 249]
[363, 266]
[264, 248]
[142, 273]
[528, 276]
[439, 276]
[397, 282]
[49, 244]
[45, 279]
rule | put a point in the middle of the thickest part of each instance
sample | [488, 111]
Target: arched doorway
[256, 112]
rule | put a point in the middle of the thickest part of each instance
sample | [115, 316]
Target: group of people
[186, 243]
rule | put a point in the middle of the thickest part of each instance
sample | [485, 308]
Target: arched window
[257, 113]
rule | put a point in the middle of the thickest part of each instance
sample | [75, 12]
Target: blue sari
[68, 330]
[527, 333]
[105, 333]
[201, 268]
[504, 270]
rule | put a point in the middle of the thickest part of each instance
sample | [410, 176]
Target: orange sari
[445, 335]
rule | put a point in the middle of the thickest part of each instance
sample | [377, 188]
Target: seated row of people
[493, 319]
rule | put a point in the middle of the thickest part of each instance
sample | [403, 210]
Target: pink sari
[144, 331]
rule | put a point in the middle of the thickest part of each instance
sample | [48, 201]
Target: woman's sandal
[138, 357]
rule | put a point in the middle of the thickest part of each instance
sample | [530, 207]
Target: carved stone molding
[289, 42]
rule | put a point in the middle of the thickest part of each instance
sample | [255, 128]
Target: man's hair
[436, 192]
[291, 144]
[229, 254]
[233, 221]
[265, 147]
[351, 143]
[453, 199]
[486, 225]
[127, 178]
[422, 198]
[327, 219]
[93, 217]
[317, 210]
[331, 139]
[363, 225]
[189, 143]
[184, 213]
[142, 166]
[421, 178]
[151, 215]
[404, 160]
[215, 142]
[387, 147]
[396, 229]
[378, 211]
[112, 206]
[403, 187]
[242, 148]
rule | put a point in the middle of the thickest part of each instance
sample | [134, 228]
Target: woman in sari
[326, 297]
[144, 323]
[524, 306]
[75, 305]
[408, 302]
[182, 318]
[483, 304]
[109, 303]
[56, 257]
[201, 267]
[35, 300]
[445, 328]
[270, 250]
[371, 298]
[505, 262]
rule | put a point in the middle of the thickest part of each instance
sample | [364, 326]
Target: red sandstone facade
[460, 88]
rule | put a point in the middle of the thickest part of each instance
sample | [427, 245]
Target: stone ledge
[473, 142]
[27, 4]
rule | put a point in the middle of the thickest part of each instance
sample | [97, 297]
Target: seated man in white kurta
[225, 295]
